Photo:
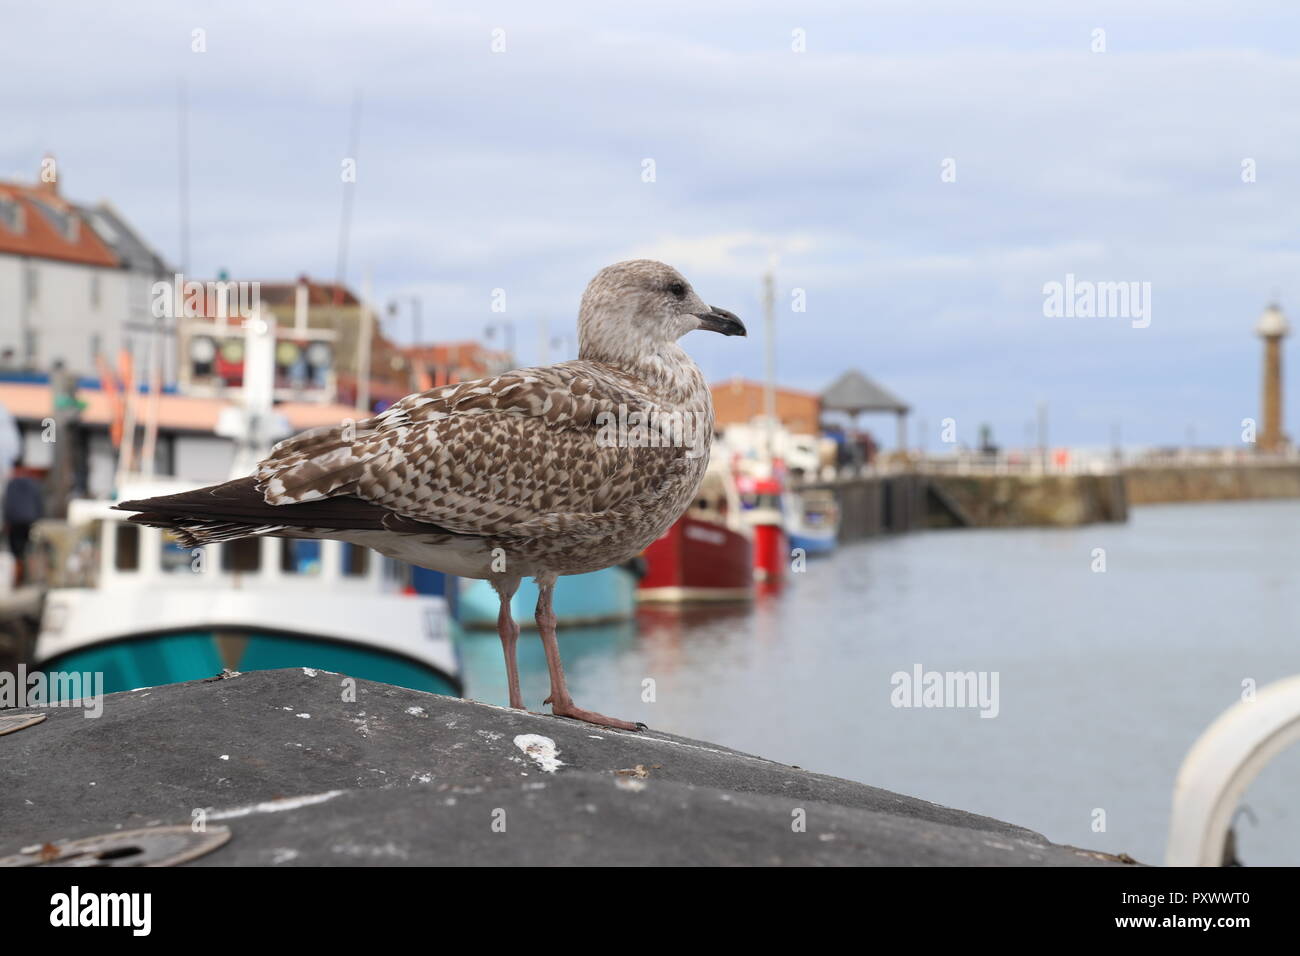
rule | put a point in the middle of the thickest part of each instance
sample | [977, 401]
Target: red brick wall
[738, 402]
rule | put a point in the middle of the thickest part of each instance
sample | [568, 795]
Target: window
[244, 555]
[299, 556]
[397, 574]
[33, 283]
[94, 290]
[126, 547]
[356, 560]
[175, 558]
[11, 214]
[61, 219]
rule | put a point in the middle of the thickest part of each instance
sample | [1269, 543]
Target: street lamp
[416, 335]
[417, 363]
[558, 342]
[507, 328]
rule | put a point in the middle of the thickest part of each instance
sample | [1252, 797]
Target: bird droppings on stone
[304, 716]
[360, 851]
[310, 671]
[415, 711]
[541, 749]
[272, 806]
[630, 783]
[709, 804]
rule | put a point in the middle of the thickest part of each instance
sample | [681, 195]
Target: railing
[1057, 462]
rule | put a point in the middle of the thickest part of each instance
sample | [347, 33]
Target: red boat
[761, 500]
[701, 558]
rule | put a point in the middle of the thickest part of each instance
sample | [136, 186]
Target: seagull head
[636, 307]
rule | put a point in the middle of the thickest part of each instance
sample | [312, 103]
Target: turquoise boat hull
[148, 661]
[601, 597]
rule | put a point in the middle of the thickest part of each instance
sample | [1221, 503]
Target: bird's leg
[508, 631]
[562, 704]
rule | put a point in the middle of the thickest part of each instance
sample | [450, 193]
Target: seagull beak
[720, 320]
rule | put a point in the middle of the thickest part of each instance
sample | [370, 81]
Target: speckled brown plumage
[504, 477]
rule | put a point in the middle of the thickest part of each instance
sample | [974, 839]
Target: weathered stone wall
[1013, 501]
[1212, 483]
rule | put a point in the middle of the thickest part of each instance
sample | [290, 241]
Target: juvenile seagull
[521, 475]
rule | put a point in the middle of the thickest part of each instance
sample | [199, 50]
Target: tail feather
[238, 509]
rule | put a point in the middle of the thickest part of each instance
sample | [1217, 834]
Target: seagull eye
[678, 290]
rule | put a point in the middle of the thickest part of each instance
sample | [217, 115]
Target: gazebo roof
[854, 393]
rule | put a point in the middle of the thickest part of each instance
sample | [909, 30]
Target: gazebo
[853, 393]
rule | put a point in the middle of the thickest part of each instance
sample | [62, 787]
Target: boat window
[126, 547]
[242, 555]
[396, 573]
[299, 556]
[175, 557]
[80, 567]
[356, 560]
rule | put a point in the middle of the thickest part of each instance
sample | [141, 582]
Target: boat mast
[769, 384]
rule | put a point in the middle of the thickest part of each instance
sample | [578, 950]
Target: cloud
[522, 171]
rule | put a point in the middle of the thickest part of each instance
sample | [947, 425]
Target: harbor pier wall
[1156, 485]
[888, 504]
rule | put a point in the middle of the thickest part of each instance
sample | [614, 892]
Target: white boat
[133, 604]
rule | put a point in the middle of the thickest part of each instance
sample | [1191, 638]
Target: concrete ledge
[403, 777]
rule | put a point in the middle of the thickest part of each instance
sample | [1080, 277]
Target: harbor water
[1104, 652]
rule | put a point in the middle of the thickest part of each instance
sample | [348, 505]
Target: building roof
[36, 221]
[28, 401]
[131, 249]
[854, 393]
[318, 293]
[467, 353]
[740, 384]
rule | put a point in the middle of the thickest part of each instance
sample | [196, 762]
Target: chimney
[48, 178]
[300, 302]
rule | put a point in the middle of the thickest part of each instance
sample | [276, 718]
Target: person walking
[22, 509]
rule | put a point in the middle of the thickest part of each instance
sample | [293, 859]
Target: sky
[917, 175]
